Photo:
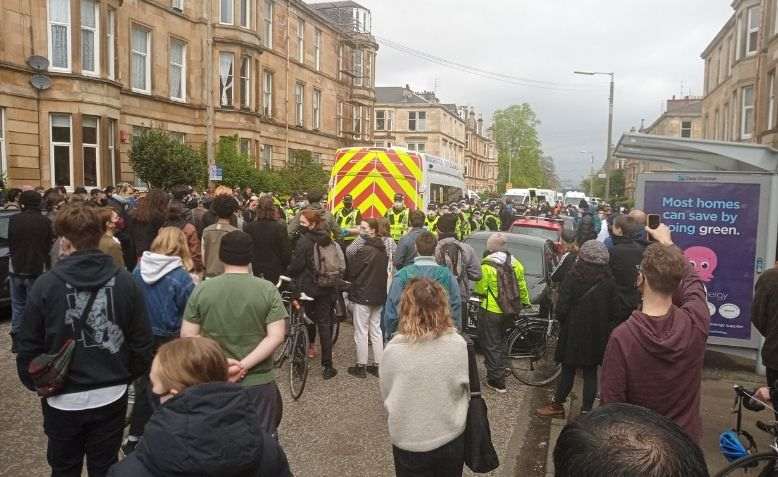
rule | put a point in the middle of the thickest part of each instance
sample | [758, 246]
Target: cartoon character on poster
[704, 261]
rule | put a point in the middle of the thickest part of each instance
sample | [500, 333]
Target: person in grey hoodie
[163, 276]
[458, 256]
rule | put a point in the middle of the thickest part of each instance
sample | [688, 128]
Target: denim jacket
[166, 288]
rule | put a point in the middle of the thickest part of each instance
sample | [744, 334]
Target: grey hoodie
[154, 266]
[470, 263]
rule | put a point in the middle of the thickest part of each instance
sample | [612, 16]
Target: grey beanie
[594, 252]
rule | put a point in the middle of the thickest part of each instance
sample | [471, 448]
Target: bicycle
[753, 462]
[295, 345]
[531, 343]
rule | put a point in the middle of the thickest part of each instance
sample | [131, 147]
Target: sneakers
[373, 369]
[499, 387]
[312, 351]
[551, 409]
[357, 371]
[129, 445]
[329, 372]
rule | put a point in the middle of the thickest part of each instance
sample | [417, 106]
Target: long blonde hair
[424, 310]
[171, 241]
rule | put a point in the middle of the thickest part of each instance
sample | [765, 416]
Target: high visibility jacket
[462, 228]
[398, 222]
[347, 219]
[488, 286]
[475, 225]
[432, 223]
[290, 212]
[491, 222]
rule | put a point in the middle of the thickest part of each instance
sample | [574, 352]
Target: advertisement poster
[715, 224]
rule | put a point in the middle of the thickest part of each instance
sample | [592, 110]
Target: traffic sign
[215, 173]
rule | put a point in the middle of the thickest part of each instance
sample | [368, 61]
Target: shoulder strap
[475, 380]
[85, 313]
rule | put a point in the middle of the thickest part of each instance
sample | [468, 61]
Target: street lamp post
[609, 149]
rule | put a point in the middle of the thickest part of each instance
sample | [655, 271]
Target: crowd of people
[173, 293]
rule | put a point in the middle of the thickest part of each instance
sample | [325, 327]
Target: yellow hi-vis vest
[398, 223]
[347, 221]
[432, 223]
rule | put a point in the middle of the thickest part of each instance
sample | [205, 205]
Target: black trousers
[772, 376]
[94, 433]
[565, 385]
[142, 409]
[320, 312]
[270, 407]
[491, 338]
[445, 461]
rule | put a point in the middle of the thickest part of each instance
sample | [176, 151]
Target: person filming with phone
[655, 358]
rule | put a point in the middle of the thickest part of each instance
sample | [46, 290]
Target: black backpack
[509, 297]
[451, 256]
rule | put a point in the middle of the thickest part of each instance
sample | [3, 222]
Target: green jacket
[487, 287]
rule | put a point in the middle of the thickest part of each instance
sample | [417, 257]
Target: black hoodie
[208, 430]
[367, 272]
[302, 268]
[625, 258]
[115, 343]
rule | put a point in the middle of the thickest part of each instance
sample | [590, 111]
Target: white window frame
[301, 40]
[383, 119]
[245, 82]
[110, 39]
[228, 84]
[356, 114]
[95, 146]
[340, 62]
[230, 10]
[53, 144]
[340, 118]
[269, 12]
[177, 5]
[744, 111]
[419, 124]
[245, 13]
[299, 104]
[316, 102]
[147, 55]
[3, 163]
[247, 142]
[266, 157]
[686, 129]
[417, 146]
[358, 66]
[752, 49]
[96, 37]
[771, 100]
[739, 33]
[182, 67]
[112, 148]
[317, 49]
[66, 24]
[267, 93]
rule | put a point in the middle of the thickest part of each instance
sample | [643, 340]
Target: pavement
[337, 428]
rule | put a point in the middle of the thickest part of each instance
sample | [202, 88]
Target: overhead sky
[653, 47]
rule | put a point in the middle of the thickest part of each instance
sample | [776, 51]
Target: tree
[163, 162]
[302, 174]
[617, 186]
[237, 168]
[550, 178]
[516, 137]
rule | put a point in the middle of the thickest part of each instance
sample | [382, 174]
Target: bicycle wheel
[531, 350]
[298, 363]
[282, 352]
[751, 465]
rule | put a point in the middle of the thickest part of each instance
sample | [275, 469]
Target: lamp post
[608, 150]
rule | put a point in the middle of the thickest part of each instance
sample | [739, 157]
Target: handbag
[480, 455]
[49, 371]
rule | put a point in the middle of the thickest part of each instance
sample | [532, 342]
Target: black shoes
[373, 369]
[329, 372]
[357, 371]
[499, 387]
[129, 446]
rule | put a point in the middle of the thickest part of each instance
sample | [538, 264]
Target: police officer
[398, 217]
[431, 221]
[463, 225]
[476, 220]
[348, 219]
[492, 218]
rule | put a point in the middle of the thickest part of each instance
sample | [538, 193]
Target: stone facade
[420, 122]
[117, 66]
[682, 118]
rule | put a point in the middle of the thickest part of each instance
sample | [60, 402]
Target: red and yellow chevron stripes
[372, 176]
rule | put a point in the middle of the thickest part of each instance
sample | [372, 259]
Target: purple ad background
[734, 274]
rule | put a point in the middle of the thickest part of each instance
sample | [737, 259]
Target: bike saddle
[304, 297]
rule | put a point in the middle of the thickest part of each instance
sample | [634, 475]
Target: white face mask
[398, 205]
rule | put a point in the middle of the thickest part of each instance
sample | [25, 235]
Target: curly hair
[424, 310]
[664, 266]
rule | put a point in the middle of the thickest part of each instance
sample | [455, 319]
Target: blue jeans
[20, 288]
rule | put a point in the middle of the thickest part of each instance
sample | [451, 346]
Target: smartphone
[653, 221]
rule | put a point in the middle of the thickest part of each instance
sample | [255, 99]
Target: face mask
[347, 205]
[398, 205]
[364, 235]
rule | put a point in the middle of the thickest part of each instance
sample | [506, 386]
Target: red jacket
[657, 362]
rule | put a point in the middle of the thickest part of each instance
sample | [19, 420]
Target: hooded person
[314, 203]
[86, 297]
[162, 274]
[655, 358]
[458, 256]
[204, 425]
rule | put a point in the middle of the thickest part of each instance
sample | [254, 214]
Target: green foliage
[302, 175]
[237, 168]
[516, 137]
[617, 196]
[163, 162]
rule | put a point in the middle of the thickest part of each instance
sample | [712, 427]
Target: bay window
[61, 150]
[59, 35]
[90, 39]
[90, 150]
[226, 72]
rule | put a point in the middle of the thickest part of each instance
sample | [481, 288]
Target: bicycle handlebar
[281, 280]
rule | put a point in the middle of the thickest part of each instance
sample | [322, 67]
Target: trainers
[551, 409]
[312, 351]
[357, 371]
[329, 372]
[373, 369]
[499, 387]
[129, 446]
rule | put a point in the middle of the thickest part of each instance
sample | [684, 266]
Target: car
[5, 257]
[542, 227]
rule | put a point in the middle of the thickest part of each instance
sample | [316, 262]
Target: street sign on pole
[215, 173]
[602, 175]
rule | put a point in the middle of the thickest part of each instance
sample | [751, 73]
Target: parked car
[5, 258]
[541, 227]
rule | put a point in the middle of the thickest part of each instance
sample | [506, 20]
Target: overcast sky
[653, 47]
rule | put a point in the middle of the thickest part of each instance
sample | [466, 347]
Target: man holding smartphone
[655, 358]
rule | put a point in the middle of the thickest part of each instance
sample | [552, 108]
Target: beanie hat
[448, 223]
[496, 242]
[236, 248]
[30, 199]
[594, 252]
